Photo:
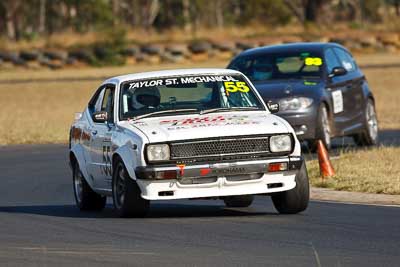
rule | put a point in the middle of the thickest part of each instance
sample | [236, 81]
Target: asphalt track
[40, 226]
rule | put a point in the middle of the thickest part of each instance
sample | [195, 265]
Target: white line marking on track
[316, 255]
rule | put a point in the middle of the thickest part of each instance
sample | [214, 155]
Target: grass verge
[374, 170]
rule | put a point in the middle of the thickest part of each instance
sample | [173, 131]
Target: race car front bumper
[218, 180]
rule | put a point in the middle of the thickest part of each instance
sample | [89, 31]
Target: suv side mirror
[100, 116]
[337, 71]
[273, 107]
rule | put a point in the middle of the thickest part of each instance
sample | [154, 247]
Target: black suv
[320, 89]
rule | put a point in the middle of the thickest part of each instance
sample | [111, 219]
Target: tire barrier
[200, 50]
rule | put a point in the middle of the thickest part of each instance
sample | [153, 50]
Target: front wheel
[86, 199]
[127, 198]
[369, 135]
[295, 200]
[322, 130]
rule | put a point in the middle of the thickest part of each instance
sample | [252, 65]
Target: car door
[90, 130]
[336, 86]
[352, 92]
[100, 147]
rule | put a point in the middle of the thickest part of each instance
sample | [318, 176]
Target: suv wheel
[239, 201]
[322, 131]
[369, 135]
[296, 199]
[85, 197]
[127, 195]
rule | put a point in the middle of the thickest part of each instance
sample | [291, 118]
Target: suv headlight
[158, 152]
[295, 103]
[280, 143]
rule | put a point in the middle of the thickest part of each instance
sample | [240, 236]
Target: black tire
[127, 195]
[29, 55]
[84, 55]
[369, 135]
[151, 50]
[200, 47]
[86, 199]
[55, 55]
[322, 130]
[295, 200]
[129, 51]
[239, 201]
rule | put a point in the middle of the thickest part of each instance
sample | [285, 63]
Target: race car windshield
[186, 94]
[279, 66]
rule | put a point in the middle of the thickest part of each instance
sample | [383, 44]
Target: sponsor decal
[76, 134]
[85, 136]
[106, 166]
[229, 170]
[337, 98]
[181, 169]
[313, 61]
[309, 83]
[182, 80]
[137, 123]
[204, 172]
[234, 87]
[208, 121]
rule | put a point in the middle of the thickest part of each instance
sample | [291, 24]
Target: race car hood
[194, 126]
[274, 90]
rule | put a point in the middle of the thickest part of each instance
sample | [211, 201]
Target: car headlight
[280, 143]
[295, 103]
[158, 152]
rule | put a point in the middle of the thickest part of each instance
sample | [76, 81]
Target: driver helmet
[145, 97]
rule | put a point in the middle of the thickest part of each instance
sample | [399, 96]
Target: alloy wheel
[372, 121]
[326, 127]
[78, 185]
[119, 187]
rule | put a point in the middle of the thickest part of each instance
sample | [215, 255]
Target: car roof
[171, 73]
[309, 46]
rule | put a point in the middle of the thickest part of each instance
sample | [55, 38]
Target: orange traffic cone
[325, 165]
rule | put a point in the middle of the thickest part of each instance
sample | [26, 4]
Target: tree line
[29, 19]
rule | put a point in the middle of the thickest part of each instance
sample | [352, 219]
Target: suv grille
[229, 148]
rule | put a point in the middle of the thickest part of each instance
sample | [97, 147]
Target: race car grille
[221, 149]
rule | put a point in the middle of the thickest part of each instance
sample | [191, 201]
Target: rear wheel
[127, 198]
[369, 135]
[239, 201]
[295, 200]
[323, 130]
[85, 197]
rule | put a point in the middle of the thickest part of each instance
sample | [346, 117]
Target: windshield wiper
[205, 111]
[162, 112]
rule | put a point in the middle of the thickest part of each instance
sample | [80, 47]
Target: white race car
[195, 133]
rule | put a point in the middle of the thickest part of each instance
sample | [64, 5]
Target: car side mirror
[100, 116]
[273, 107]
[337, 71]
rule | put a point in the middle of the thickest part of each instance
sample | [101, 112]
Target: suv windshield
[264, 67]
[183, 94]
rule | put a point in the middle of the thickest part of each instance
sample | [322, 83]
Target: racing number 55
[233, 87]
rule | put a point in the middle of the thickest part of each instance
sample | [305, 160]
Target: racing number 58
[233, 87]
